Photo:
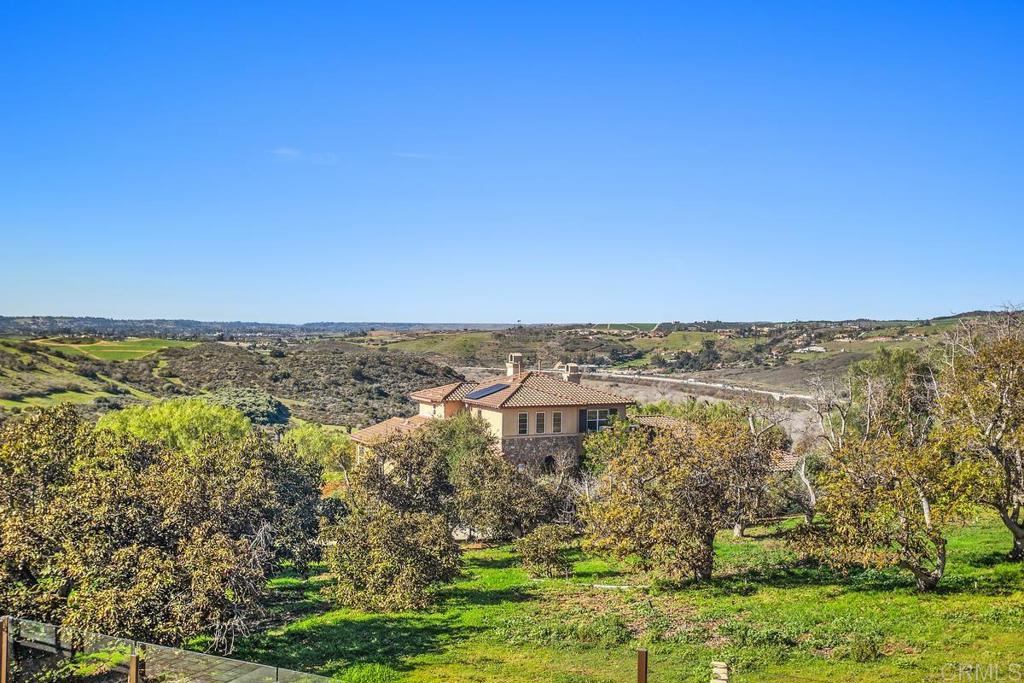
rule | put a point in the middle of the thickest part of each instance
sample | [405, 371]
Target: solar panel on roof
[486, 391]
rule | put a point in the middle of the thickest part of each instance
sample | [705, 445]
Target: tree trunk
[812, 497]
[1017, 553]
[1011, 518]
[738, 529]
[928, 579]
[705, 562]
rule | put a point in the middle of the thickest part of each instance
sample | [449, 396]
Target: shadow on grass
[601, 575]
[329, 646]
[992, 559]
[457, 596]
[491, 563]
[808, 573]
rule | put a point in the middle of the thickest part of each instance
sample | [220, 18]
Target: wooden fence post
[641, 666]
[133, 668]
[136, 669]
[719, 672]
[5, 650]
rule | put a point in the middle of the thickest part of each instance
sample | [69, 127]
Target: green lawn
[770, 616]
[128, 349]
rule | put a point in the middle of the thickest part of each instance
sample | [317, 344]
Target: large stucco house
[539, 418]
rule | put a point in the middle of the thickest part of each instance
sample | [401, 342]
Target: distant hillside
[47, 326]
[330, 381]
[780, 356]
[356, 373]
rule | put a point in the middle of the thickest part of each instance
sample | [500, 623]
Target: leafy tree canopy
[981, 414]
[663, 493]
[260, 407]
[179, 424]
[334, 449]
[105, 532]
[889, 494]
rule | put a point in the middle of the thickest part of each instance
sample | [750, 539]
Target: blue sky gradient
[522, 161]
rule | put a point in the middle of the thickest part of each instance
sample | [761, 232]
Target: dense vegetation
[330, 381]
[162, 526]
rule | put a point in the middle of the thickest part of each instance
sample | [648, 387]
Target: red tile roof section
[445, 392]
[537, 389]
[389, 427]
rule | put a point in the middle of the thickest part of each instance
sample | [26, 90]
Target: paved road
[689, 381]
[644, 379]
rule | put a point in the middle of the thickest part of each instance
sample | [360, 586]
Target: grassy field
[857, 346]
[127, 349]
[675, 341]
[456, 344]
[770, 616]
[51, 379]
[691, 341]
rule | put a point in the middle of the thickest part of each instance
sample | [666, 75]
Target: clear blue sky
[549, 161]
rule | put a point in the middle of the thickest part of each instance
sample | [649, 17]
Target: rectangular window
[597, 419]
[540, 423]
[556, 423]
[524, 422]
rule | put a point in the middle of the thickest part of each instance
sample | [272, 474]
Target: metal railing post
[641, 666]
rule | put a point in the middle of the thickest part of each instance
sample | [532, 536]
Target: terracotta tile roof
[785, 461]
[460, 393]
[536, 389]
[446, 392]
[389, 427]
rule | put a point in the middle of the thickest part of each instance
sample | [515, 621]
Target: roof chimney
[571, 373]
[514, 365]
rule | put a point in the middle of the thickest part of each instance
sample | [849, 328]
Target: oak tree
[981, 413]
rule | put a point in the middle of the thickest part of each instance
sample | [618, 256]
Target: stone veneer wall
[531, 451]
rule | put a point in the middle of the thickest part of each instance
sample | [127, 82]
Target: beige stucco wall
[446, 409]
[570, 419]
[491, 417]
[505, 423]
[510, 420]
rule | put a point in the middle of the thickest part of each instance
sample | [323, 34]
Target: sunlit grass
[771, 615]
